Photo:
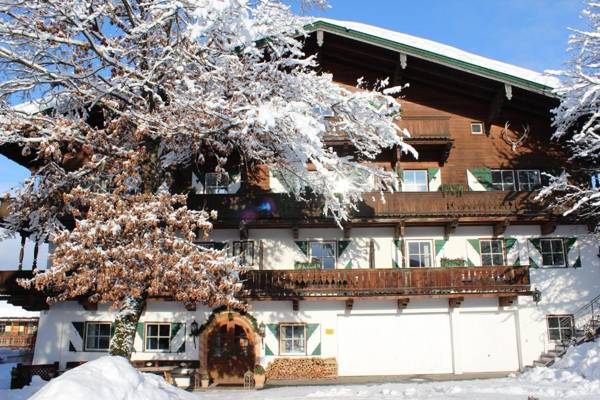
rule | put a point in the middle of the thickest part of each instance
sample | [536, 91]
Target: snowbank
[109, 378]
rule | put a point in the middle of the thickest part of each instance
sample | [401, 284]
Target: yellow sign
[329, 331]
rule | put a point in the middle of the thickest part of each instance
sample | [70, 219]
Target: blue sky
[527, 33]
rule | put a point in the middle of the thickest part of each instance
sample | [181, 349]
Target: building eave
[432, 56]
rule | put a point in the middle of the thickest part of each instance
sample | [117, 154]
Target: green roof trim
[432, 56]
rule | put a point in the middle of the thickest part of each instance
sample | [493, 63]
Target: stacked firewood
[302, 368]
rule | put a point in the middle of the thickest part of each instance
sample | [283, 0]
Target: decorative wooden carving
[190, 306]
[87, 305]
[349, 304]
[548, 227]
[403, 303]
[450, 228]
[500, 227]
[295, 305]
[506, 301]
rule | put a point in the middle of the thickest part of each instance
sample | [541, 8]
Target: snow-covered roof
[440, 53]
[8, 310]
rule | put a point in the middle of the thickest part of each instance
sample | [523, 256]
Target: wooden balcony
[387, 283]
[416, 207]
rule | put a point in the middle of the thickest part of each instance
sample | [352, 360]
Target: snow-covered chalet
[459, 271]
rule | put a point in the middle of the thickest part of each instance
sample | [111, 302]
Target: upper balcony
[408, 206]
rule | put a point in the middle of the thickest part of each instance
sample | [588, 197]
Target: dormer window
[476, 128]
[216, 183]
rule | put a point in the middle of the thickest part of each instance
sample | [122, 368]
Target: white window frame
[283, 339]
[157, 337]
[216, 188]
[560, 328]
[503, 185]
[492, 253]
[87, 334]
[335, 255]
[414, 185]
[480, 124]
[528, 183]
[237, 247]
[431, 255]
[552, 252]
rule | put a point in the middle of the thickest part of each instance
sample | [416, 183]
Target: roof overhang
[424, 54]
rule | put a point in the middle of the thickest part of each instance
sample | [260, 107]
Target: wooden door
[230, 353]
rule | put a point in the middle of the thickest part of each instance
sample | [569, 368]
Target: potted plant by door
[259, 376]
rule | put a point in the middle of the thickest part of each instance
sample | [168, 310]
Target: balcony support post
[349, 304]
[500, 227]
[295, 305]
[403, 303]
[450, 228]
[548, 227]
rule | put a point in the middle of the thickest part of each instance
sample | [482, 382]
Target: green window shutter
[569, 243]
[303, 246]
[313, 339]
[431, 173]
[175, 327]
[395, 264]
[341, 246]
[399, 243]
[348, 265]
[509, 243]
[219, 245]
[439, 245]
[79, 327]
[536, 243]
[475, 244]
[483, 176]
[274, 328]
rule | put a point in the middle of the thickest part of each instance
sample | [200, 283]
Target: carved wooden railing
[259, 205]
[386, 282]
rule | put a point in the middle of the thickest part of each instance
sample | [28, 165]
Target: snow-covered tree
[577, 122]
[127, 92]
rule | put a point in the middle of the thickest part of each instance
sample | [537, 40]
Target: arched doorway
[228, 348]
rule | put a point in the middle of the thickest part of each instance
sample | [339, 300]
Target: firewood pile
[302, 368]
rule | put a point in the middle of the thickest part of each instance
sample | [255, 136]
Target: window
[323, 253]
[292, 339]
[21, 329]
[245, 251]
[595, 181]
[414, 180]
[529, 179]
[560, 327]
[97, 335]
[503, 179]
[419, 253]
[216, 183]
[476, 128]
[158, 337]
[553, 252]
[2, 327]
[492, 252]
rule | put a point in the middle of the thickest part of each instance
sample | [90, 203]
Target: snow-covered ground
[576, 376]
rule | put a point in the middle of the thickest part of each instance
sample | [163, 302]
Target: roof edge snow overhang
[432, 56]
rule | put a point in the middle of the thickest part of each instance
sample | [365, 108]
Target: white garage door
[488, 342]
[396, 344]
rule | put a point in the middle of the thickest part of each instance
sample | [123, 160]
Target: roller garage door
[407, 344]
[394, 344]
[488, 342]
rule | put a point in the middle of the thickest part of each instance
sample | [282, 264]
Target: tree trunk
[121, 343]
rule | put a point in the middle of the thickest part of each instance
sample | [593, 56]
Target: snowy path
[492, 389]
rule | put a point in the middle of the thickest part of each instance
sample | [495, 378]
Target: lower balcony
[387, 283]
[342, 284]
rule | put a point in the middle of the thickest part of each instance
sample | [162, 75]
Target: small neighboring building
[18, 332]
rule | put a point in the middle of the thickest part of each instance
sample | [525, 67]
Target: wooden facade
[18, 333]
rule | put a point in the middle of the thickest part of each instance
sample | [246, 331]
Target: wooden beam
[455, 302]
[548, 227]
[295, 231]
[349, 304]
[450, 228]
[190, 306]
[243, 230]
[399, 230]
[87, 305]
[506, 301]
[500, 227]
[494, 109]
[347, 229]
[371, 253]
[403, 303]
[295, 305]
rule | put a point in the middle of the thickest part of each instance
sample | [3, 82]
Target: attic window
[476, 128]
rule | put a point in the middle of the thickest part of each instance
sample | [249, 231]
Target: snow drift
[109, 378]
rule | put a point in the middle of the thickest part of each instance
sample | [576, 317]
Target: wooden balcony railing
[261, 205]
[298, 284]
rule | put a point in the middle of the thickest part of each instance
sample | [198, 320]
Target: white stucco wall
[478, 327]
